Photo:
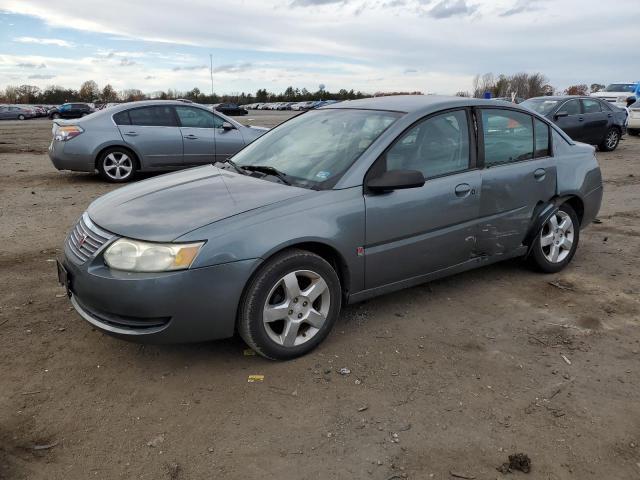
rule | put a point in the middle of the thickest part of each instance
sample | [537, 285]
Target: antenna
[211, 73]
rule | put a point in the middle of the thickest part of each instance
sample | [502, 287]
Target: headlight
[65, 133]
[136, 256]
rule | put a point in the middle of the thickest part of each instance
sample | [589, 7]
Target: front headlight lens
[136, 256]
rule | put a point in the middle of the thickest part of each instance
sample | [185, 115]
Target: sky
[433, 46]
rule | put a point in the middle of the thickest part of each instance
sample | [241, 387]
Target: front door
[422, 230]
[229, 141]
[153, 133]
[573, 122]
[198, 135]
[519, 173]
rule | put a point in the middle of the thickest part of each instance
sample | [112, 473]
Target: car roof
[563, 97]
[412, 103]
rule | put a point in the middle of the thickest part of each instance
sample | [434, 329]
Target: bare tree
[596, 87]
[89, 91]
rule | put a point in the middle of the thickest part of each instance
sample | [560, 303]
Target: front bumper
[170, 307]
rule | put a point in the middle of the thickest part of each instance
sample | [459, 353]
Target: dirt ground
[447, 379]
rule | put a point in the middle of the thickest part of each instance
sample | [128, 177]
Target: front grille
[86, 239]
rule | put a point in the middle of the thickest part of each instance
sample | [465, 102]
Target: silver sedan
[146, 136]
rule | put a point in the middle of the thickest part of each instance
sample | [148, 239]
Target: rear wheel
[117, 165]
[610, 141]
[633, 131]
[20, 117]
[290, 305]
[55, 116]
[556, 244]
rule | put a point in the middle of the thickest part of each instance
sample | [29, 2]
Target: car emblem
[83, 238]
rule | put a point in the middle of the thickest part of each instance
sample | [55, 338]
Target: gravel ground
[447, 379]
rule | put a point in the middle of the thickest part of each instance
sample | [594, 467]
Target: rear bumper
[592, 202]
[66, 161]
[173, 307]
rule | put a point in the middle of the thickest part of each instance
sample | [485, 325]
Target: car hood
[166, 207]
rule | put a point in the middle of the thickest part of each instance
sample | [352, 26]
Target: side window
[160, 116]
[605, 107]
[572, 107]
[436, 146]
[217, 121]
[591, 106]
[508, 136]
[194, 117]
[542, 139]
[122, 118]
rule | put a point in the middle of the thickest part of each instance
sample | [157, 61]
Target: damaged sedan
[334, 206]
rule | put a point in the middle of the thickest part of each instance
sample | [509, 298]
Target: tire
[633, 131]
[117, 165]
[551, 238]
[55, 116]
[20, 117]
[279, 287]
[611, 140]
[83, 115]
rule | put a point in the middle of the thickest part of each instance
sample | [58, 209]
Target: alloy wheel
[612, 139]
[556, 238]
[296, 308]
[118, 165]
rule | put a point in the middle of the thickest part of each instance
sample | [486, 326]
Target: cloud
[149, 77]
[411, 70]
[521, 6]
[452, 8]
[125, 62]
[243, 67]
[41, 77]
[31, 65]
[189, 68]
[315, 3]
[44, 41]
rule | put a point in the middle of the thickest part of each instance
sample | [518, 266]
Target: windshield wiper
[268, 170]
[235, 166]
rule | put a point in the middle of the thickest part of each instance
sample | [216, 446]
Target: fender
[541, 215]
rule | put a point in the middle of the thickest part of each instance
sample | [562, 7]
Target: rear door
[421, 230]
[596, 121]
[198, 135]
[228, 140]
[154, 135]
[519, 173]
[573, 123]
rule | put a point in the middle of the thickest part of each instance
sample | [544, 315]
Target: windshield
[621, 87]
[316, 148]
[540, 105]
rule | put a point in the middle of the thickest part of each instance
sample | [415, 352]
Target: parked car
[146, 136]
[15, 112]
[70, 110]
[585, 119]
[230, 109]
[332, 207]
[633, 125]
[618, 93]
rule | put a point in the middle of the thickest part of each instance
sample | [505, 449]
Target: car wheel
[610, 141]
[633, 131]
[290, 305]
[55, 116]
[117, 165]
[84, 115]
[556, 244]
[20, 117]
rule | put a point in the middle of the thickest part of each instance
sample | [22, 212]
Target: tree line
[92, 93]
[523, 85]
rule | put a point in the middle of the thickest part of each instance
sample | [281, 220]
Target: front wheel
[55, 116]
[556, 244]
[117, 165]
[611, 140]
[633, 131]
[20, 117]
[290, 305]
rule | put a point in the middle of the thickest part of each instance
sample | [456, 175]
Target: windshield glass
[316, 148]
[621, 87]
[540, 105]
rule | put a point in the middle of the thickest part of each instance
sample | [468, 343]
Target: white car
[633, 125]
[617, 93]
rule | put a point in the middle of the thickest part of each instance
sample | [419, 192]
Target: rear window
[541, 130]
[591, 106]
[160, 116]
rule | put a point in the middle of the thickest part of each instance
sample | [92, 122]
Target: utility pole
[211, 73]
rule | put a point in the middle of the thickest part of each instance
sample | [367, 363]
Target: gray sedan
[146, 136]
[335, 206]
[12, 112]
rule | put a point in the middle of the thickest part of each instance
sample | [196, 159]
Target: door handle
[463, 190]
[191, 137]
[581, 119]
[131, 134]
[540, 173]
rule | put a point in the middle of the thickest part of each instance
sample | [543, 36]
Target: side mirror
[396, 180]
[561, 113]
[227, 126]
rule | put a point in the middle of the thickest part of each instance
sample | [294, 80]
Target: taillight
[66, 133]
